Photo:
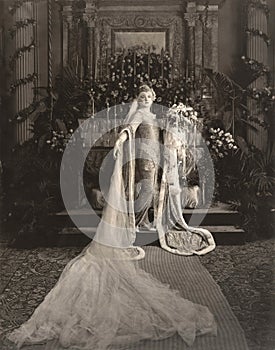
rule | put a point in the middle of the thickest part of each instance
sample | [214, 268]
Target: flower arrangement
[220, 143]
[59, 140]
[265, 97]
[182, 115]
[138, 65]
[257, 32]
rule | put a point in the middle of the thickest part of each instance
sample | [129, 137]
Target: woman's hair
[147, 88]
[134, 105]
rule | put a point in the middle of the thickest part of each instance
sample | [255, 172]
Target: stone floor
[244, 273]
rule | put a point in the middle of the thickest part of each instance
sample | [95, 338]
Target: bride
[103, 299]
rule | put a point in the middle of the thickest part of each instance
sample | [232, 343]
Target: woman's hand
[117, 148]
[119, 144]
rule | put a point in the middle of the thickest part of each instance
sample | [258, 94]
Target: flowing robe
[145, 158]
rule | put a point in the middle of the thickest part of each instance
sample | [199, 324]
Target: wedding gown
[104, 300]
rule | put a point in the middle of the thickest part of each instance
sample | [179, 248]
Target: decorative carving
[90, 19]
[90, 14]
[67, 16]
[191, 16]
[138, 21]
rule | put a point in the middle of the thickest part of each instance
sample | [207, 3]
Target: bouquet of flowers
[182, 115]
[220, 143]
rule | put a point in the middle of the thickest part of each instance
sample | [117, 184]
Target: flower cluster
[21, 24]
[16, 5]
[258, 121]
[257, 69]
[266, 92]
[260, 4]
[181, 114]
[257, 32]
[23, 81]
[220, 142]
[255, 65]
[265, 97]
[19, 53]
[139, 64]
[59, 140]
[23, 114]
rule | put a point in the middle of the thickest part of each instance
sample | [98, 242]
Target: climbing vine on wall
[20, 52]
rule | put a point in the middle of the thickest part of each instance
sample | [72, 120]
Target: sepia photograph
[137, 174]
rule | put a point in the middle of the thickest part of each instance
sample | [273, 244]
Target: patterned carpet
[243, 272]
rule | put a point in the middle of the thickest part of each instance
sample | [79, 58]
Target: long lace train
[103, 300]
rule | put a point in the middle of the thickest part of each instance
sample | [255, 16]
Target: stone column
[257, 50]
[90, 17]
[203, 37]
[191, 17]
[25, 65]
[210, 38]
[67, 24]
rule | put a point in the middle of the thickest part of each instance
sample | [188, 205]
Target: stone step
[223, 235]
[227, 235]
[217, 216]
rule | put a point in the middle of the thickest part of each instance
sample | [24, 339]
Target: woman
[150, 148]
[103, 300]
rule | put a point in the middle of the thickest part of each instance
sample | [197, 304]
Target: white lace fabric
[103, 300]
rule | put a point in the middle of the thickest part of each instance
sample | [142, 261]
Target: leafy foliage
[250, 187]
[32, 191]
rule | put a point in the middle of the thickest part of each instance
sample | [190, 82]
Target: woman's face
[145, 99]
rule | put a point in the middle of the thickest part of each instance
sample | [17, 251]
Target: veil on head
[134, 105]
[132, 111]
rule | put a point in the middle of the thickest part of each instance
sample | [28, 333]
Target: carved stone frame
[173, 25]
[142, 29]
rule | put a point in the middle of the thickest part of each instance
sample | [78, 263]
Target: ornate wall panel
[173, 25]
[191, 32]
